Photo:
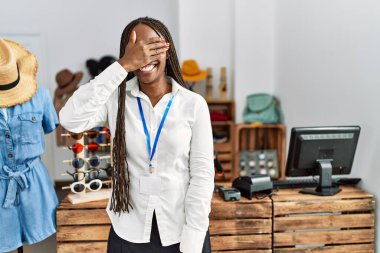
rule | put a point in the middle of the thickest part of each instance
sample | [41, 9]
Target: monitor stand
[325, 186]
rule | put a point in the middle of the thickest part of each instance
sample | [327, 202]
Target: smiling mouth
[149, 68]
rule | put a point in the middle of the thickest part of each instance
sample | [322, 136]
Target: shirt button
[33, 118]
[10, 155]
[7, 136]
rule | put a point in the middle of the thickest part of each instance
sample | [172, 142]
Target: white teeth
[147, 68]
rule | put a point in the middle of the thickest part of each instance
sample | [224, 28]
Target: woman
[162, 148]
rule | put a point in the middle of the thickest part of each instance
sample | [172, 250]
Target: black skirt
[119, 245]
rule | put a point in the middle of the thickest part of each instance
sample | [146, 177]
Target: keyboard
[312, 182]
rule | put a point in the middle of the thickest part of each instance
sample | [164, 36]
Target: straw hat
[18, 68]
[67, 81]
[191, 71]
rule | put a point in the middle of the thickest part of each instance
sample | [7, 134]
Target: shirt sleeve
[86, 108]
[49, 119]
[201, 187]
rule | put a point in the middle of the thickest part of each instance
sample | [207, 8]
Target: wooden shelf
[224, 150]
[222, 123]
[219, 102]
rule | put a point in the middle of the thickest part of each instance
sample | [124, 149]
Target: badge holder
[86, 195]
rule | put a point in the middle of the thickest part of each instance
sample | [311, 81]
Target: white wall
[254, 50]
[206, 35]
[235, 34]
[74, 31]
[327, 72]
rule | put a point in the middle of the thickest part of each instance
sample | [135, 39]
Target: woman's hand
[141, 53]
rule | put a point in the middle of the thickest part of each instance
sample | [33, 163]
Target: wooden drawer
[307, 223]
[82, 227]
[242, 226]
[241, 242]
[82, 247]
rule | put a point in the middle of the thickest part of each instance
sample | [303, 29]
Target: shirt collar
[133, 86]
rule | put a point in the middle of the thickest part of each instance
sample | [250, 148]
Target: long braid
[120, 199]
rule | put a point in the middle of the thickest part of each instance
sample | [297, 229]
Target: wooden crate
[245, 139]
[243, 226]
[225, 150]
[82, 227]
[308, 223]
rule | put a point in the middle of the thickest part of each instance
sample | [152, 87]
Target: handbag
[264, 108]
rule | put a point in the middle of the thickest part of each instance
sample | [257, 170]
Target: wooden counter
[301, 223]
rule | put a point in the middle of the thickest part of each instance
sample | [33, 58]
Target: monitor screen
[310, 145]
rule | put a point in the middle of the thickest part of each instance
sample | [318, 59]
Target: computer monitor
[322, 151]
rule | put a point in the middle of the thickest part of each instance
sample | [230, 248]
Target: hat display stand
[87, 195]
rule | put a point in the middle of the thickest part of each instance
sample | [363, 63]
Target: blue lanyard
[152, 152]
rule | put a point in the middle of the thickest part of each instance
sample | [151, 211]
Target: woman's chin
[147, 77]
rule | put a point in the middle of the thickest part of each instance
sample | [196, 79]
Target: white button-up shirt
[183, 158]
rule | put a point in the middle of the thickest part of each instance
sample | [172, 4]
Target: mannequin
[27, 197]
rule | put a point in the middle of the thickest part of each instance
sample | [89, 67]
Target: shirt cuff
[112, 76]
[192, 240]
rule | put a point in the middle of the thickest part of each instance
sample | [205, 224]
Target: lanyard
[152, 152]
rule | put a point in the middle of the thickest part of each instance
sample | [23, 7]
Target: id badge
[150, 184]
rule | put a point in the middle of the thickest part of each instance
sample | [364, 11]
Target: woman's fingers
[154, 40]
[154, 58]
[158, 51]
[132, 37]
[155, 45]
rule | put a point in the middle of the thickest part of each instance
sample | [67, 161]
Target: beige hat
[18, 68]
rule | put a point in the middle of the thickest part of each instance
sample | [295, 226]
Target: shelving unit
[225, 149]
[246, 140]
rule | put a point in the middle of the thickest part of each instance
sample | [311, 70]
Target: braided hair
[120, 200]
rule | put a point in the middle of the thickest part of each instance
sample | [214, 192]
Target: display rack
[224, 150]
[87, 196]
